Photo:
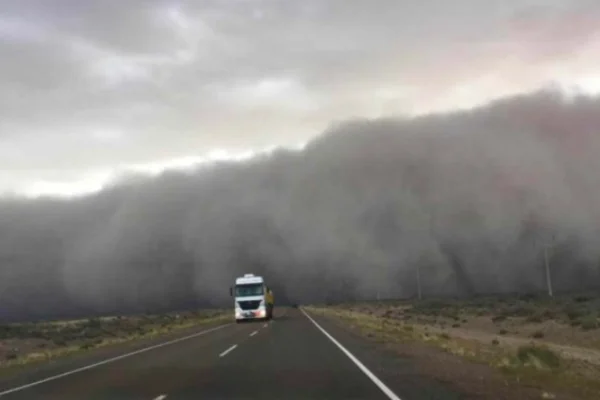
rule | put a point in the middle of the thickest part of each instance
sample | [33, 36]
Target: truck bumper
[251, 315]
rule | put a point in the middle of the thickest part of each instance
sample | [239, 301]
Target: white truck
[253, 298]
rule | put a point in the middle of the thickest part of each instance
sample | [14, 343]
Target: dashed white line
[109, 360]
[161, 397]
[391, 395]
[229, 350]
[253, 333]
[265, 325]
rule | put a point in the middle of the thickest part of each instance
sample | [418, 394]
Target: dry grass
[34, 342]
[568, 321]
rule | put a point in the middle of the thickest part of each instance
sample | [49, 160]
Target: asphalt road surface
[295, 356]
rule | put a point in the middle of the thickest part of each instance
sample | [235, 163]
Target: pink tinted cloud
[543, 35]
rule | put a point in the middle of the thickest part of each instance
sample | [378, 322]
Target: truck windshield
[254, 289]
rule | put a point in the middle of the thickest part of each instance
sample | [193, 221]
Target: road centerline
[253, 333]
[229, 350]
[382, 386]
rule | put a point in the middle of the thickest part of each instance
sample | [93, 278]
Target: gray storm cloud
[468, 197]
[87, 85]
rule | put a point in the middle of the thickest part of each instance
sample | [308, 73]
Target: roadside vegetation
[552, 344]
[25, 343]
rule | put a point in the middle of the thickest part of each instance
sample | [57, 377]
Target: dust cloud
[469, 199]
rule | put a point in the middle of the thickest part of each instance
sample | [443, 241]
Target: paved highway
[295, 356]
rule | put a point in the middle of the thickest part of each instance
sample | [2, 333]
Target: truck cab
[253, 299]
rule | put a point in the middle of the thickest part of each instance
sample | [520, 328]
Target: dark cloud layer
[470, 198]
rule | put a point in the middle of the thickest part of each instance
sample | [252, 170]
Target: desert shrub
[92, 333]
[574, 313]
[545, 315]
[498, 318]
[521, 310]
[582, 299]
[589, 322]
[5, 331]
[538, 357]
[36, 334]
[86, 346]
[537, 318]
[528, 297]
[537, 335]
[13, 331]
[94, 323]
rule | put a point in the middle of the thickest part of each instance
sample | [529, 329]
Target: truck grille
[249, 304]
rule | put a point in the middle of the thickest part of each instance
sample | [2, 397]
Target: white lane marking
[110, 360]
[253, 333]
[229, 350]
[265, 325]
[161, 397]
[355, 360]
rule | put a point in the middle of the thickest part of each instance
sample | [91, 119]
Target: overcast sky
[90, 88]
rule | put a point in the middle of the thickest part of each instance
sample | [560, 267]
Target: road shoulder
[24, 374]
[397, 371]
[439, 373]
